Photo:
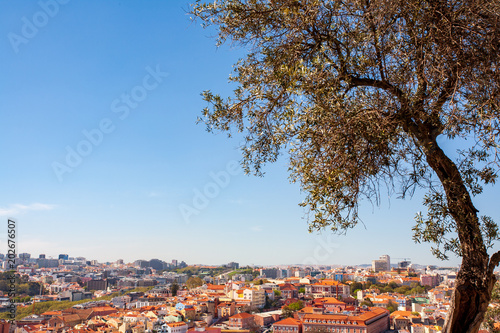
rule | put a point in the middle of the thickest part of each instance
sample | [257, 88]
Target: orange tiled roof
[242, 315]
[328, 300]
[179, 324]
[288, 321]
[216, 287]
[328, 283]
[360, 319]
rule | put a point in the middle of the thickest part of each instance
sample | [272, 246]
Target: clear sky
[102, 156]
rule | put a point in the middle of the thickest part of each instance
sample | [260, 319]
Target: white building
[256, 297]
[180, 327]
[300, 274]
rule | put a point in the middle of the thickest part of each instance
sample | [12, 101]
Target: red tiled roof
[288, 321]
[361, 319]
[215, 287]
[242, 315]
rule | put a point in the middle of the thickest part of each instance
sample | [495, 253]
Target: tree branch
[446, 92]
[366, 82]
[494, 261]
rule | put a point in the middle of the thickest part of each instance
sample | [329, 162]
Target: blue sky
[119, 83]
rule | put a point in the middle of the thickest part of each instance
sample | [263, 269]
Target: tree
[194, 282]
[393, 285]
[286, 312]
[405, 290]
[367, 301]
[258, 282]
[253, 327]
[289, 310]
[355, 286]
[392, 306]
[362, 94]
[174, 288]
[250, 309]
[296, 306]
[271, 304]
[418, 290]
[277, 293]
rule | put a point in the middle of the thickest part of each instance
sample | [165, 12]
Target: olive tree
[360, 94]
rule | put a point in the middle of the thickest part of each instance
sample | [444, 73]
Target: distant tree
[403, 290]
[302, 290]
[363, 94]
[355, 286]
[386, 289]
[418, 290]
[194, 282]
[296, 306]
[393, 285]
[367, 301]
[286, 312]
[277, 293]
[250, 309]
[260, 281]
[392, 306]
[4, 285]
[174, 288]
[253, 327]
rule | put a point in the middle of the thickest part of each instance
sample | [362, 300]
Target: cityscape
[250, 166]
[74, 294]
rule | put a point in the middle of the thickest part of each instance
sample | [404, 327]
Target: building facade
[372, 321]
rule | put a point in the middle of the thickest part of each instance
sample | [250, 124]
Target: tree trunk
[470, 299]
[475, 279]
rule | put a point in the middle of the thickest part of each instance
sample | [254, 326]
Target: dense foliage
[361, 94]
[24, 287]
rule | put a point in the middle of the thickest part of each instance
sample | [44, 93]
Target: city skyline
[103, 156]
[31, 257]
